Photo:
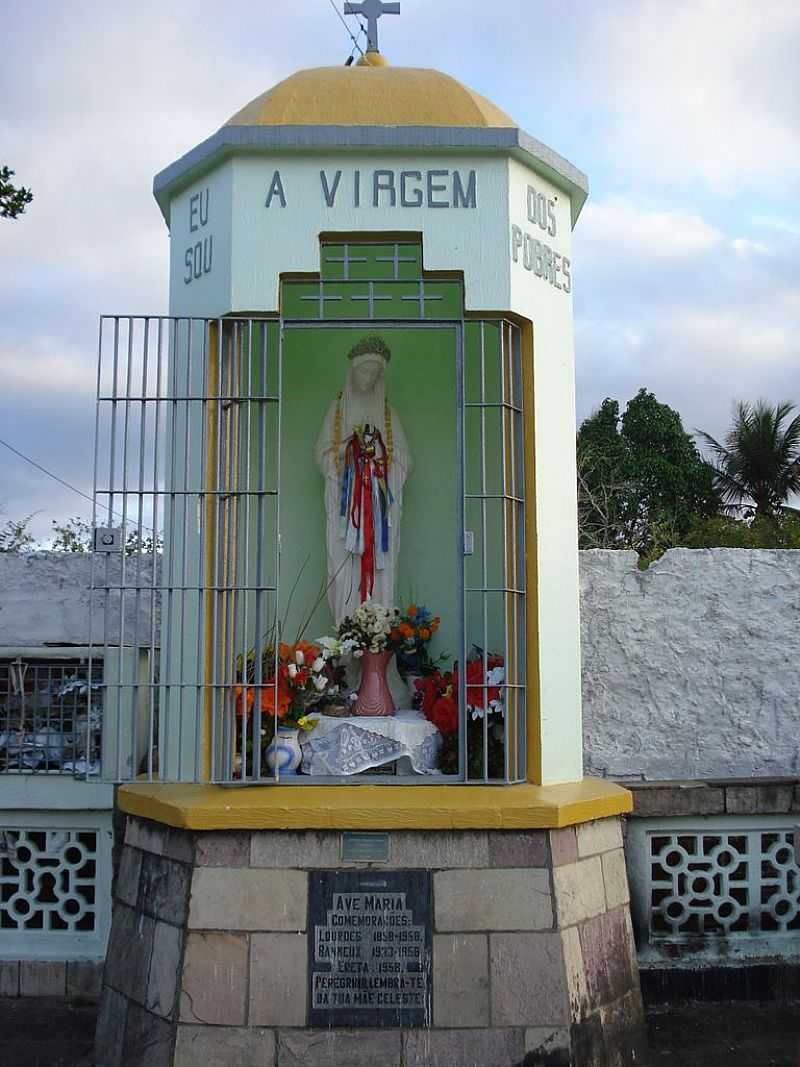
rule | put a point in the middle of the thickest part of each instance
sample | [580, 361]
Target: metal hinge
[107, 539]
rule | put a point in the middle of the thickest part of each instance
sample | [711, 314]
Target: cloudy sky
[685, 114]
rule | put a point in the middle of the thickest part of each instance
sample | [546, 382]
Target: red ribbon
[368, 555]
[361, 513]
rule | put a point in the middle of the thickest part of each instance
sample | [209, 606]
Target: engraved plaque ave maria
[369, 948]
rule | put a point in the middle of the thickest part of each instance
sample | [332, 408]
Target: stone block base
[532, 958]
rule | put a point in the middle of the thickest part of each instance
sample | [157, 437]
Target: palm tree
[759, 463]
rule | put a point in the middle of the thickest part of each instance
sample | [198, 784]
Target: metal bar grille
[50, 715]
[188, 480]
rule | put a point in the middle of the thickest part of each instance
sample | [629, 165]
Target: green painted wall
[421, 387]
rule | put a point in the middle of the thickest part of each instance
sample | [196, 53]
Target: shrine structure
[357, 829]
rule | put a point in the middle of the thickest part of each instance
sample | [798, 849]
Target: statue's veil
[360, 409]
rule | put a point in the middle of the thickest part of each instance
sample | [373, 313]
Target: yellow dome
[371, 95]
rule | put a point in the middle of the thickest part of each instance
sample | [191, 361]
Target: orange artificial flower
[412, 610]
[268, 700]
[425, 633]
[310, 652]
[406, 630]
[251, 695]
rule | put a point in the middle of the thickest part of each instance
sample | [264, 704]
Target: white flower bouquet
[368, 629]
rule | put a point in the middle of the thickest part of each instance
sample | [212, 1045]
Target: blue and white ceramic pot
[284, 752]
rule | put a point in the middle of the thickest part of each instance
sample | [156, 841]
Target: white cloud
[658, 98]
[46, 366]
[616, 227]
[663, 93]
[705, 89]
[701, 318]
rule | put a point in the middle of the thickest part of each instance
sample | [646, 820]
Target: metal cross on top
[372, 10]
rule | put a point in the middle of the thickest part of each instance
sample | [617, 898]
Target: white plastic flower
[292, 670]
[329, 645]
[299, 657]
[318, 664]
[320, 682]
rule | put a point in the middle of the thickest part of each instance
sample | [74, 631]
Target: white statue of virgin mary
[364, 458]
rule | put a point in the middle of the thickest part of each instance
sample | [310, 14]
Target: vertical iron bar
[504, 505]
[199, 689]
[121, 690]
[278, 535]
[217, 705]
[110, 498]
[463, 733]
[248, 376]
[187, 452]
[139, 531]
[521, 599]
[167, 656]
[151, 709]
[92, 557]
[234, 468]
[260, 582]
[511, 505]
[484, 556]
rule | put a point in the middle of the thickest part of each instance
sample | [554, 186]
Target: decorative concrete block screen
[690, 667]
[715, 881]
[55, 870]
[728, 885]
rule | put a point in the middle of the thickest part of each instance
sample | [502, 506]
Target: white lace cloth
[352, 745]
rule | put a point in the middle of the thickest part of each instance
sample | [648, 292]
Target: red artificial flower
[439, 704]
[444, 715]
[476, 679]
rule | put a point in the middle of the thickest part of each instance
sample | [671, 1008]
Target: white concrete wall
[44, 599]
[690, 668]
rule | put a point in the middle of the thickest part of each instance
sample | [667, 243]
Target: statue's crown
[370, 346]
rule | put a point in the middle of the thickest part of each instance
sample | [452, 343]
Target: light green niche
[421, 387]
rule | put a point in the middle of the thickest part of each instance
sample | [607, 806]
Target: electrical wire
[61, 481]
[340, 16]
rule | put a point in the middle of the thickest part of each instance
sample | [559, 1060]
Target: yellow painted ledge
[371, 807]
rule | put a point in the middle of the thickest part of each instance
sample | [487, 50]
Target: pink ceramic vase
[374, 697]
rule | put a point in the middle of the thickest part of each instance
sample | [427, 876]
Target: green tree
[758, 467]
[15, 535]
[77, 535]
[72, 535]
[13, 201]
[726, 531]
[641, 479]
